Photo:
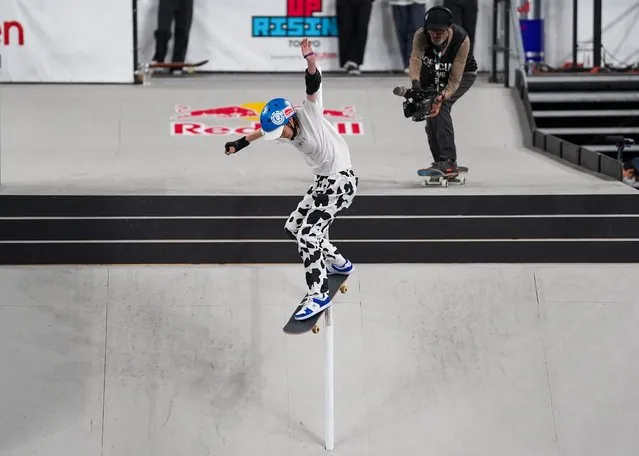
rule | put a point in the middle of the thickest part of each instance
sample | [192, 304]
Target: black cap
[438, 18]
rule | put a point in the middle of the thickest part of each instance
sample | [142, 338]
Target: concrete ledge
[554, 145]
[571, 152]
[610, 167]
[590, 159]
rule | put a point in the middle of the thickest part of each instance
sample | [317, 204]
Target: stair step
[591, 131]
[587, 113]
[610, 148]
[536, 97]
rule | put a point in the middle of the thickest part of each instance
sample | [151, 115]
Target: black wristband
[241, 143]
[313, 81]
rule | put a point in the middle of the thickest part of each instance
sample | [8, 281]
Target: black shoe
[445, 166]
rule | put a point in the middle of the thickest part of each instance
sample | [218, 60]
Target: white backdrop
[620, 36]
[66, 41]
[222, 33]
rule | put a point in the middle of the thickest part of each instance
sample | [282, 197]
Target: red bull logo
[186, 120]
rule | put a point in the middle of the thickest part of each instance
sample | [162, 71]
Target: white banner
[77, 41]
[248, 35]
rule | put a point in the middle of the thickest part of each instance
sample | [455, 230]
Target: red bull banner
[243, 119]
[66, 41]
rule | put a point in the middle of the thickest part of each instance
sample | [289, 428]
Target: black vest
[444, 64]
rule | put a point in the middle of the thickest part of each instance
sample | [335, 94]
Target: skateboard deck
[178, 64]
[296, 327]
[439, 177]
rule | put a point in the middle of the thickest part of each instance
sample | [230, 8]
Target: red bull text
[346, 121]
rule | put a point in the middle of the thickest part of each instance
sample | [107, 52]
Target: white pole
[329, 386]
[329, 383]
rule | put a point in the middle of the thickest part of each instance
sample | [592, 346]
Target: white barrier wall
[66, 41]
[92, 40]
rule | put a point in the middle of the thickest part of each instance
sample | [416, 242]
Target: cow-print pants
[308, 225]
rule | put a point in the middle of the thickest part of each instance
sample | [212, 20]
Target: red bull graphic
[186, 121]
[11, 32]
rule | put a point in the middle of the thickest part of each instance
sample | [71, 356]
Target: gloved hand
[235, 146]
[437, 104]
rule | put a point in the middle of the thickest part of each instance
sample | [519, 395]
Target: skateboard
[178, 64]
[145, 71]
[296, 327]
[439, 177]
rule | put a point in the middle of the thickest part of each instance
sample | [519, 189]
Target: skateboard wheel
[424, 183]
[343, 288]
[315, 329]
[462, 180]
[444, 183]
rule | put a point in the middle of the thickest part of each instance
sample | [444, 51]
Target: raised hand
[307, 50]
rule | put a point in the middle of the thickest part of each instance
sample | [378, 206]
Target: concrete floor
[441, 359]
[118, 139]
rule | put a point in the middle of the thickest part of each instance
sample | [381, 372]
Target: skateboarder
[332, 191]
[443, 47]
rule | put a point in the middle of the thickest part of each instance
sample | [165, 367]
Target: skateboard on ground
[296, 327]
[435, 176]
[145, 71]
[178, 64]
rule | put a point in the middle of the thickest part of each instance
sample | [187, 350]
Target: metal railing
[505, 30]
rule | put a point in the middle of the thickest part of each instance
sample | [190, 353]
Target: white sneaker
[345, 269]
[313, 305]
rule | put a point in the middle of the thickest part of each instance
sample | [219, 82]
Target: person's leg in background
[166, 9]
[456, 8]
[464, 15]
[401, 20]
[183, 21]
[345, 25]
[469, 21]
[416, 14]
[360, 32]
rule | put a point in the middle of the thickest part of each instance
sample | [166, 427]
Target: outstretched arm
[234, 146]
[312, 75]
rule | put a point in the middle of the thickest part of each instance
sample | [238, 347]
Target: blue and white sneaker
[313, 305]
[345, 269]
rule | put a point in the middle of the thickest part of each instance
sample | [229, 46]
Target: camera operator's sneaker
[445, 166]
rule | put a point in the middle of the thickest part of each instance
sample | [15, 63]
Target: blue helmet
[274, 116]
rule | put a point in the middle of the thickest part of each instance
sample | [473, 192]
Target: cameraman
[442, 49]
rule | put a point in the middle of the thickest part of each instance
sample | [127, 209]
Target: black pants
[182, 12]
[440, 130]
[407, 18]
[353, 17]
[464, 15]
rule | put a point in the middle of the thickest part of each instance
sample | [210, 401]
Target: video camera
[418, 103]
